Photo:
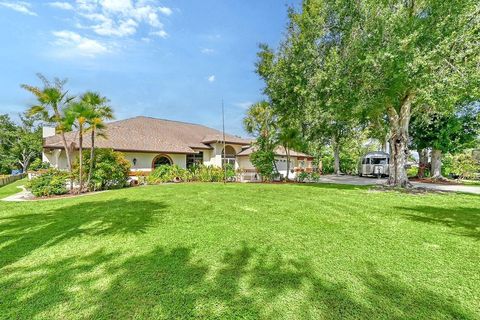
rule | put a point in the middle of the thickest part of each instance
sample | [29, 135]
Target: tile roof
[146, 134]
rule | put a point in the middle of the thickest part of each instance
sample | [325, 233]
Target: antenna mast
[224, 145]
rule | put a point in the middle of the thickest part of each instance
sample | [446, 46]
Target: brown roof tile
[146, 134]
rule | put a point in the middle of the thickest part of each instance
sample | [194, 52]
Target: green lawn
[241, 251]
[11, 188]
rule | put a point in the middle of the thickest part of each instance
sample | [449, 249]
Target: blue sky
[167, 59]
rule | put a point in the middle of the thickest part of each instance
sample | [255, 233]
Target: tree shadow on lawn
[247, 282]
[464, 221]
[25, 233]
[336, 186]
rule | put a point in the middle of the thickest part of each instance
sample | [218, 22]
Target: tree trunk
[436, 164]
[24, 164]
[287, 151]
[336, 156]
[69, 161]
[422, 162]
[399, 123]
[92, 156]
[80, 158]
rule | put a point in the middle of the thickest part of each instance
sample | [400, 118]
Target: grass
[241, 251]
[11, 188]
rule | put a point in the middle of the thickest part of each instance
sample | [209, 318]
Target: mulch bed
[443, 181]
[65, 196]
[408, 190]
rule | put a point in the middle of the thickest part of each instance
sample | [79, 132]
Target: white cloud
[161, 33]
[108, 27]
[243, 105]
[117, 5]
[19, 6]
[211, 78]
[73, 44]
[121, 18]
[86, 5]
[207, 51]
[61, 5]
[165, 10]
[108, 19]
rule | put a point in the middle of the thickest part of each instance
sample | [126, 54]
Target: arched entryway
[228, 156]
[161, 160]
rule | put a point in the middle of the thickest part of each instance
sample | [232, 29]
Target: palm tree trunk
[92, 156]
[69, 161]
[288, 161]
[80, 159]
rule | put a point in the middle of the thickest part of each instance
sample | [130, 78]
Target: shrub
[53, 182]
[263, 162]
[315, 176]
[461, 165]
[229, 172]
[208, 173]
[37, 165]
[412, 172]
[168, 173]
[303, 176]
[110, 170]
[308, 177]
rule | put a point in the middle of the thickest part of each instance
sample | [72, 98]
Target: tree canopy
[344, 64]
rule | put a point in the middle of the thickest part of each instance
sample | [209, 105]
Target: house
[148, 143]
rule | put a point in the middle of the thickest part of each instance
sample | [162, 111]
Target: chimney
[48, 132]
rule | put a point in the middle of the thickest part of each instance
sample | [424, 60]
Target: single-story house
[148, 143]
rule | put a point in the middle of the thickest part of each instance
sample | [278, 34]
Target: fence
[9, 179]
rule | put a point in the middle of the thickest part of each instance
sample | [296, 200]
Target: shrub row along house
[148, 143]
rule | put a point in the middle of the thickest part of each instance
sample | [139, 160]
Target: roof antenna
[224, 146]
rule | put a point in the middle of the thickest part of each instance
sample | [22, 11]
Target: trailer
[374, 164]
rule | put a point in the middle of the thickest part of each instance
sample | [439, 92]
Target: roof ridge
[176, 121]
[169, 120]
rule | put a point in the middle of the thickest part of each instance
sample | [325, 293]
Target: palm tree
[100, 112]
[261, 122]
[52, 100]
[289, 138]
[76, 114]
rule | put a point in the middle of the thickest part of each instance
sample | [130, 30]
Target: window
[228, 156]
[194, 159]
[379, 161]
[161, 160]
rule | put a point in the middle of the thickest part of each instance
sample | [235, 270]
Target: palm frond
[45, 81]
[35, 90]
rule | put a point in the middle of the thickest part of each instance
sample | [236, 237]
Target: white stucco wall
[144, 160]
[244, 163]
[58, 159]
[215, 155]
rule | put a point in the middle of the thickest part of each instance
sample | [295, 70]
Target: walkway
[23, 195]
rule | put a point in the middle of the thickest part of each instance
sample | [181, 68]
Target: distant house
[148, 143]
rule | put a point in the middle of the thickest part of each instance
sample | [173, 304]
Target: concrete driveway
[367, 181]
